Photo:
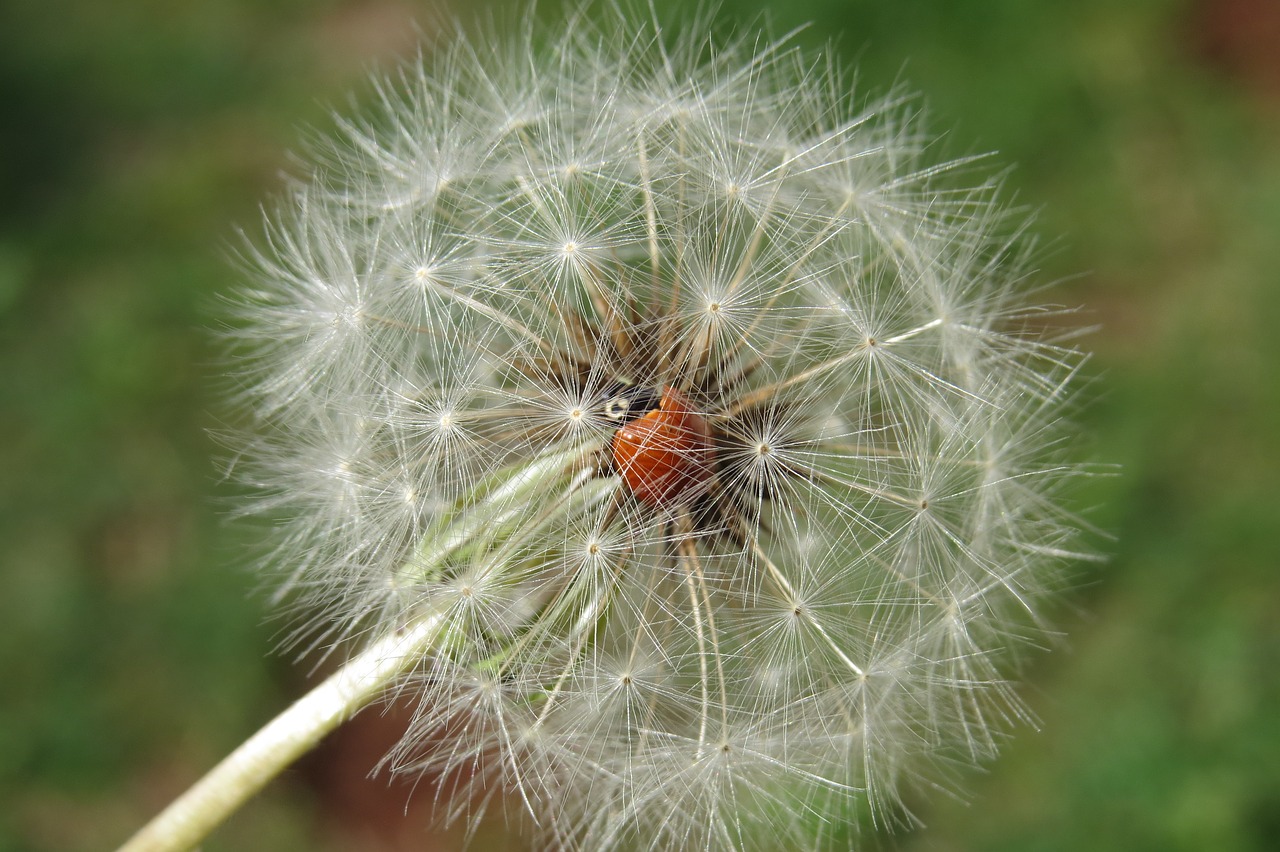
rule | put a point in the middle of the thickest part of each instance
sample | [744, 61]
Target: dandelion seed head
[699, 405]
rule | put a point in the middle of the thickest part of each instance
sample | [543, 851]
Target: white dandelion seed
[654, 415]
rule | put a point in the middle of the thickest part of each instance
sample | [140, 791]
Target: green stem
[499, 506]
[496, 521]
[186, 822]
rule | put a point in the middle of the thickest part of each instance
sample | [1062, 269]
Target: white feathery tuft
[532, 230]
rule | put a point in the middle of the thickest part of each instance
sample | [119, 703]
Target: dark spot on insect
[625, 403]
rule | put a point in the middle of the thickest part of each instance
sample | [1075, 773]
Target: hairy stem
[186, 822]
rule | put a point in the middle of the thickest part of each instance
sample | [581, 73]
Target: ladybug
[663, 450]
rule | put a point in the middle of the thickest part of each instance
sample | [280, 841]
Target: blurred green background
[136, 135]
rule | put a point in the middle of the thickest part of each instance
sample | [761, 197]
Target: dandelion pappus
[688, 410]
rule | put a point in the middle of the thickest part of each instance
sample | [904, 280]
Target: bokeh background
[135, 135]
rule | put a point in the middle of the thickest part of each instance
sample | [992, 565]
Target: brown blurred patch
[380, 813]
[382, 29]
[369, 812]
[1241, 38]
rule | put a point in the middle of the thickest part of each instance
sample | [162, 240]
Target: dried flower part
[702, 409]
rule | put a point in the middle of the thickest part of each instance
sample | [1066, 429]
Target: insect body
[666, 455]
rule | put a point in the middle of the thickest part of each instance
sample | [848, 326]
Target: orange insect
[666, 456]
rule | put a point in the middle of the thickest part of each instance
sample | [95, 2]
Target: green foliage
[137, 134]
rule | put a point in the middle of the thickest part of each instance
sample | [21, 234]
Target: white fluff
[522, 224]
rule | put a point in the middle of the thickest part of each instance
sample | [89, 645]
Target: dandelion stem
[488, 515]
[190, 818]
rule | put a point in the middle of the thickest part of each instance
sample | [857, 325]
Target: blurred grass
[135, 135]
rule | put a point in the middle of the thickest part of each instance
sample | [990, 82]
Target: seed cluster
[706, 412]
